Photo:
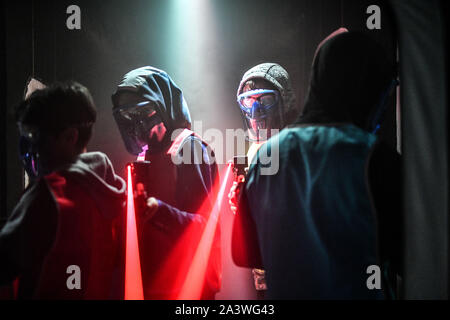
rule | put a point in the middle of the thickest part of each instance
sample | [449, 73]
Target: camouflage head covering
[278, 76]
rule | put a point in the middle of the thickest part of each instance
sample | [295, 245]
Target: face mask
[28, 152]
[259, 108]
[140, 126]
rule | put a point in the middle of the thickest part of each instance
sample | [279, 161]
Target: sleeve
[197, 184]
[384, 176]
[29, 233]
[194, 189]
[173, 221]
[196, 176]
[245, 246]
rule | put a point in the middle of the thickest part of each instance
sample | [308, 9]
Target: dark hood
[349, 73]
[155, 85]
[96, 175]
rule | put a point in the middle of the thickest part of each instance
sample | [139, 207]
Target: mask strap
[141, 156]
[381, 107]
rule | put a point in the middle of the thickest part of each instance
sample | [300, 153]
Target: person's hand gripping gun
[240, 168]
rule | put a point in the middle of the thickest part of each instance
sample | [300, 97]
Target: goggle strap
[256, 92]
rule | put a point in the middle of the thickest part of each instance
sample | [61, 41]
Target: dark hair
[58, 107]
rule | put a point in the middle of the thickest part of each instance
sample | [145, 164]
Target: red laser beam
[172, 272]
[133, 276]
[195, 278]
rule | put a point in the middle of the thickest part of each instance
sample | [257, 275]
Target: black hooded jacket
[285, 224]
[184, 190]
[350, 73]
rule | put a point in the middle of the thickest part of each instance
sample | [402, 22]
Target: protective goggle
[256, 103]
[140, 110]
[135, 122]
[28, 157]
[28, 150]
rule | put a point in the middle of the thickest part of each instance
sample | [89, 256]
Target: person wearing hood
[177, 176]
[62, 239]
[267, 102]
[332, 211]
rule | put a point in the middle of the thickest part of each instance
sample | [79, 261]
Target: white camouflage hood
[278, 76]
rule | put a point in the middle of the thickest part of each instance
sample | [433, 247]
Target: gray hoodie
[36, 230]
[95, 172]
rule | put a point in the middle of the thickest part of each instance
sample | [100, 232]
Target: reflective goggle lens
[135, 111]
[266, 98]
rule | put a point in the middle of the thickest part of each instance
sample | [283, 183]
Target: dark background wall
[205, 46]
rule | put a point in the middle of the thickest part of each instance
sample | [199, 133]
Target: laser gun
[140, 171]
[240, 164]
[143, 185]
